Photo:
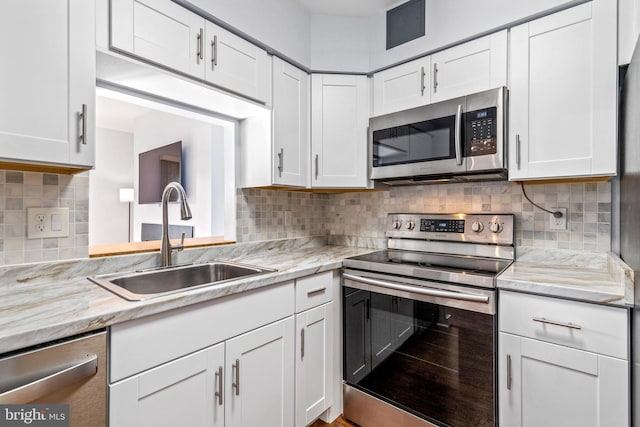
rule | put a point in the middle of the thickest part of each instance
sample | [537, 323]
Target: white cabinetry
[162, 32]
[314, 347]
[47, 79]
[339, 121]
[471, 67]
[260, 377]
[402, 87]
[290, 125]
[563, 94]
[562, 363]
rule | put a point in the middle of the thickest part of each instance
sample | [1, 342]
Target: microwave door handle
[458, 135]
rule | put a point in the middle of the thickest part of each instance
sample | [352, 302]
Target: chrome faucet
[185, 213]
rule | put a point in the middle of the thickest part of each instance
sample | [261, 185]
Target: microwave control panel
[481, 132]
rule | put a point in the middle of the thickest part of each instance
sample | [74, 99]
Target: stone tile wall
[22, 190]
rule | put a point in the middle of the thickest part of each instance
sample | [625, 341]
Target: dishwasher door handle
[418, 290]
[49, 383]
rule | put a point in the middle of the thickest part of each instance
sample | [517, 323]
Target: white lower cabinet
[181, 392]
[232, 362]
[314, 351]
[260, 377]
[543, 383]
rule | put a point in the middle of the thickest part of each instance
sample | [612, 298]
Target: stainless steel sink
[142, 285]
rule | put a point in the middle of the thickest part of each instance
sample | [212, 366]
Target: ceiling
[347, 7]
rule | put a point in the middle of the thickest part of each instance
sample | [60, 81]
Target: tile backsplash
[265, 214]
[363, 214]
[22, 190]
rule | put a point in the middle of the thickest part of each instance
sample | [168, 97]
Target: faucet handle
[179, 246]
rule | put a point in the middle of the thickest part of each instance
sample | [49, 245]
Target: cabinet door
[471, 67]
[357, 340]
[290, 124]
[563, 91]
[235, 64]
[183, 392]
[160, 31]
[314, 363]
[402, 87]
[547, 385]
[260, 377]
[339, 118]
[40, 112]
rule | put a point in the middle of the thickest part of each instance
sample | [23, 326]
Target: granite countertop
[47, 301]
[593, 277]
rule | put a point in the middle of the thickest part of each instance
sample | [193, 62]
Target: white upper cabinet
[169, 35]
[47, 80]
[402, 87]
[235, 64]
[290, 124]
[160, 31]
[563, 94]
[339, 121]
[471, 67]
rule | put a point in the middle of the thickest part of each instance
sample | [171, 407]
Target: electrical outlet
[558, 223]
[45, 223]
[287, 218]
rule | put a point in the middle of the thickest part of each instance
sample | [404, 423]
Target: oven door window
[416, 142]
[434, 361]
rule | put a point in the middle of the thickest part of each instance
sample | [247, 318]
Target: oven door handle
[418, 290]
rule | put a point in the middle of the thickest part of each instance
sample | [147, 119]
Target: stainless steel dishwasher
[69, 372]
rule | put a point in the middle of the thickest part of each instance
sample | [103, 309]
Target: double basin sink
[146, 284]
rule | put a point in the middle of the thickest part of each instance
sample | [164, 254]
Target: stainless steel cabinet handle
[301, 343]
[418, 290]
[518, 151]
[214, 52]
[236, 384]
[317, 166]
[556, 323]
[219, 379]
[316, 292]
[508, 372]
[281, 161]
[422, 87]
[435, 77]
[83, 118]
[51, 382]
[458, 136]
[199, 53]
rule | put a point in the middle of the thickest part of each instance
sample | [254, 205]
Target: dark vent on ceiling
[405, 23]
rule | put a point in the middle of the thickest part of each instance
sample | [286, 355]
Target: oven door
[421, 141]
[425, 348]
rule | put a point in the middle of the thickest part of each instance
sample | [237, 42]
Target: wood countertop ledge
[152, 246]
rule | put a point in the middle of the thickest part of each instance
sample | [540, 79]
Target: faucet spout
[185, 213]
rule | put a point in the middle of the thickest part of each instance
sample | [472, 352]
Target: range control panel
[472, 228]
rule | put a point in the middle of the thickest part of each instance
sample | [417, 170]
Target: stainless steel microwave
[462, 139]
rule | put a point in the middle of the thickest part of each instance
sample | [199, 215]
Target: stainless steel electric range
[420, 322]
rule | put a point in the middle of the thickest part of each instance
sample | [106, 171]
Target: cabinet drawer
[312, 291]
[591, 327]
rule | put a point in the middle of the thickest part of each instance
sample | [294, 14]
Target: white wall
[340, 43]
[203, 152]
[108, 217]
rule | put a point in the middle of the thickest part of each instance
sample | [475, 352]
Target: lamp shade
[126, 194]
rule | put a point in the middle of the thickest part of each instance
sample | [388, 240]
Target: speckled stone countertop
[47, 301]
[593, 277]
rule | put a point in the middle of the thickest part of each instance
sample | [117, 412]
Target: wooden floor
[339, 422]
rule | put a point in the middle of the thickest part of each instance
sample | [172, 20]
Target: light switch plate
[45, 223]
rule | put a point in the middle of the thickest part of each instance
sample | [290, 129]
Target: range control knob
[397, 224]
[411, 224]
[495, 227]
[477, 226]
